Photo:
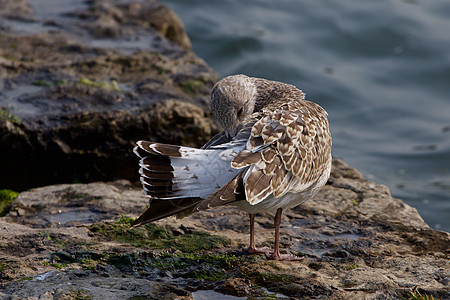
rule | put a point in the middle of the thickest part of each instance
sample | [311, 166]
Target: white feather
[201, 172]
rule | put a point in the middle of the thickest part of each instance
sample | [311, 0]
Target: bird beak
[229, 136]
[235, 129]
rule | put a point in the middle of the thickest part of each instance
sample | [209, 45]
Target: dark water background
[380, 68]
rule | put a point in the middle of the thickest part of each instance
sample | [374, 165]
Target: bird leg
[275, 255]
[252, 249]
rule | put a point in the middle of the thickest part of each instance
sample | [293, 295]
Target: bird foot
[254, 250]
[289, 257]
[269, 253]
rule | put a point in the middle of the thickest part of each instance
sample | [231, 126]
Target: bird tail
[177, 178]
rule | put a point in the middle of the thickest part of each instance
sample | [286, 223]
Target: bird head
[232, 100]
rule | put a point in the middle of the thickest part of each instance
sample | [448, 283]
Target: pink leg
[252, 249]
[276, 253]
[252, 231]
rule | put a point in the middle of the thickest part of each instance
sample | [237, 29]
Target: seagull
[274, 153]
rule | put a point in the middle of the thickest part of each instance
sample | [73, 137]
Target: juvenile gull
[274, 153]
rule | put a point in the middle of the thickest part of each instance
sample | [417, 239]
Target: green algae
[159, 250]
[172, 261]
[269, 277]
[416, 295]
[6, 198]
[193, 87]
[206, 266]
[350, 267]
[107, 85]
[86, 260]
[53, 238]
[10, 57]
[354, 201]
[157, 237]
[26, 278]
[70, 194]
[78, 295]
[46, 83]
[55, 265]
[181, 255]
[6, 115]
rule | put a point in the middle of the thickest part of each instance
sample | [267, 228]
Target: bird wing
[286, 151]
[176, 178]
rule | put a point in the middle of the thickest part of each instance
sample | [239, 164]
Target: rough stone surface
[80, 83]
[358, 243]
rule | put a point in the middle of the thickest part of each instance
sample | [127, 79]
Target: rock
[80, 84]
[106, 19]
[74, 204]
[15, 10]
[358, 242]
[118, 72]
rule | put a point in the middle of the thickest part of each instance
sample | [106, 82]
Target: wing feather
[257, 186]
[245, 158]
[294, 144]
[231, 192]
[285, 152]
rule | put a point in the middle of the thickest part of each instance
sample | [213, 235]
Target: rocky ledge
[79, 84]
[73, 241]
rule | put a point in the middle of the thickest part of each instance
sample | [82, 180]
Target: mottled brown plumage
[274, 153]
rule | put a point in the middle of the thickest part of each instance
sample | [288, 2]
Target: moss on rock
[157, 237]
[6, 198]
[6, 115]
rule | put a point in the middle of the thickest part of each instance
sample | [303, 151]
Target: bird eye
[240, 111]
